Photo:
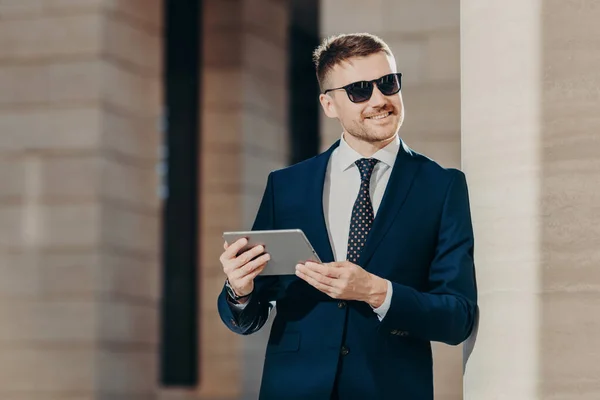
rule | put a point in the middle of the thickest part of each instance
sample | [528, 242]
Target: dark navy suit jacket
[421, 240]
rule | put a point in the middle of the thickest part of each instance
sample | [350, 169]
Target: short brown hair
[336, 49]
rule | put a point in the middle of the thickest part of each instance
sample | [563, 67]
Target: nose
[377, 98]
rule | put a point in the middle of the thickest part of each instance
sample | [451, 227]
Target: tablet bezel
[278, 265]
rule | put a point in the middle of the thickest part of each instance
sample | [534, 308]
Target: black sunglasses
[361, 91]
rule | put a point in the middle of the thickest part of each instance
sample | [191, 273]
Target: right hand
[240, 270]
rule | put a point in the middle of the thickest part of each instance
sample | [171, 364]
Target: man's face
[364, 120]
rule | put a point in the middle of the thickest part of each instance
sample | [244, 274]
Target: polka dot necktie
[362, 212]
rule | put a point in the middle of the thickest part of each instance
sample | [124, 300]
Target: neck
[364, 148]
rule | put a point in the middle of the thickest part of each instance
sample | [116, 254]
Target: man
[393, 230]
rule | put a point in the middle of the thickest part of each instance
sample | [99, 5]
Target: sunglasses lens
[360, 91]
[389, 84]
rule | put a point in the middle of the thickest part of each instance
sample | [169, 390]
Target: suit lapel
[321, 242]
[399, 184]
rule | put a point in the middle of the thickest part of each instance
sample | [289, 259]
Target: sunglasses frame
[372, 83]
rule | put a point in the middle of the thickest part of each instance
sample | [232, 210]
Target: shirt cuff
[382, 310]
[239, 306]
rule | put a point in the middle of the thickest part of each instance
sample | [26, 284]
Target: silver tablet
[287, 248]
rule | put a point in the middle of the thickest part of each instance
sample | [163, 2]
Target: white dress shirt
[342, 183]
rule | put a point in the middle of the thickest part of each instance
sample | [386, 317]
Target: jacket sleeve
[446, 312]
[254, 315]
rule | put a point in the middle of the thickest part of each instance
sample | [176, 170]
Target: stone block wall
[80, 94]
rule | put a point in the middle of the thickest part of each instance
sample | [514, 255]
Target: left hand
[345, 281]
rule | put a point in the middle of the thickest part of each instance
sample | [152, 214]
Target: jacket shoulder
[294, 170]
[430, 166]
[431, 169]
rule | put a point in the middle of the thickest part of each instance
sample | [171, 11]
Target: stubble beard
[362, 132]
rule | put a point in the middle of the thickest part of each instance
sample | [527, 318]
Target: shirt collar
[348, 156]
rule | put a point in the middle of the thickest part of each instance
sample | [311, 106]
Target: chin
[372, 137]
[374, 134]
[383, 132]
[382, 135]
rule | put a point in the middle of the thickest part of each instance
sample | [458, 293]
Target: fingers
[230, 258]
[317, 273]
[250, 277]
[250, 267]
[328, 270]
[328, 290]
[247, 256]
[232, 250]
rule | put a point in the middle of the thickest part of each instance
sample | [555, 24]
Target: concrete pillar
[80, 93]
[244, 137]
[530, 149]
[424, 37]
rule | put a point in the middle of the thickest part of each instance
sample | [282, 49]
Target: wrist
[234, 295]
[243, 300]
[377, 291]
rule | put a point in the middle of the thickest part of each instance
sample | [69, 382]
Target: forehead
[362, 69]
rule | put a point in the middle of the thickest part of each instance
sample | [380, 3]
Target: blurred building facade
[86, 284]
[80, 96]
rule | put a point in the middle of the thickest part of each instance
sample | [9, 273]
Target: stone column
[531, 152]
[244, 137]
[424, 37]
[80, 93]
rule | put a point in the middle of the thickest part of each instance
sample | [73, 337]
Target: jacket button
[344, 351]
[341, 304]
[394, 332]
[403, 333]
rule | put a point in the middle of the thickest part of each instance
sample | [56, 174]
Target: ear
[328, 105]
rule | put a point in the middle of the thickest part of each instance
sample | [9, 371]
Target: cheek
[353, 113]
[398, 103]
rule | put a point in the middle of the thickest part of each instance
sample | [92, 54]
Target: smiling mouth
[379, 116]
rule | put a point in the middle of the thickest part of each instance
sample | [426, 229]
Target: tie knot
[366, 166]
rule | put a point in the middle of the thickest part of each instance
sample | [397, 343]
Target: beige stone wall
[244, 137]
[80, 91]
[531, 151]
[424, 36]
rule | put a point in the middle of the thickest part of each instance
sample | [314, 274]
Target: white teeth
[379, 116]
